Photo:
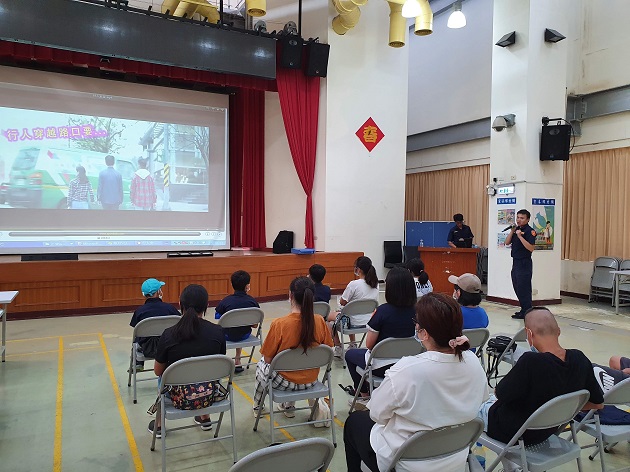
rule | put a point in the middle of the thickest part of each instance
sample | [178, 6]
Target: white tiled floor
[58, 372]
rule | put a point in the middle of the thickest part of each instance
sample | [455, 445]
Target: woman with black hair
[421, 278]
[440, 387]
[299, 329]
[192, 336]
[80, 192]
[365, 287]
[393, 319]
[467, 292]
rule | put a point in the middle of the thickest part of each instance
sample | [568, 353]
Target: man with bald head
[538, 376]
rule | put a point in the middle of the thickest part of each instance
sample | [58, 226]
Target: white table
[621, 276]
[6, 298]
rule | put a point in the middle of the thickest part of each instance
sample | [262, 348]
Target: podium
[440, 262]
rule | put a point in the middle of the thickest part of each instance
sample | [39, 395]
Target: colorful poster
[506, 216]
[543, 222]
[501, 240]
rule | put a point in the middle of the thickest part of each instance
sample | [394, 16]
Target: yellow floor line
[58, 411]
[49, 337]
[121, 409]
[249, 399]
[94, 348]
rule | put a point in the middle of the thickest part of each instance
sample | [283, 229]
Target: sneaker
[238, 369]
[288, 410]
[338, 352]
[206, 425]
[255, 411]
[352, 346]
[151, 427]
[139, 367]
[361, 403]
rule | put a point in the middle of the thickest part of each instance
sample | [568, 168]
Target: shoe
[255, 411]
[158, 433]
[352, 346]
[518, 316]
[238, 369]
[139, 367]
[338, 352]
[288, 410]
[206, 425]
[361, 403]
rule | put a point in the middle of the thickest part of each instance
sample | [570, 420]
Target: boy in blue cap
[153, 306]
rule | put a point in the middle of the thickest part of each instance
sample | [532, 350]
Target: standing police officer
[522, 248]
[459, 233]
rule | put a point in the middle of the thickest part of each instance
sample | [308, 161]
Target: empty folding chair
[321, 308]
[306, 455]
[624, 286]
[244, 317]
[358, 311]
[602, 281]
[154, 326]
[477, 338]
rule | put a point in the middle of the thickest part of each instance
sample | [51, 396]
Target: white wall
[469, 153]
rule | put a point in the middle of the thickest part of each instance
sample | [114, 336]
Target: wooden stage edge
[85, 287]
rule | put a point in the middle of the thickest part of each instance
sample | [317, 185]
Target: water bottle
[421, 243]
[480, 454]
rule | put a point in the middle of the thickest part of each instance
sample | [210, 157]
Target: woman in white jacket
[441, 387]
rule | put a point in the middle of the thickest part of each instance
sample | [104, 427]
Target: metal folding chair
[154, 326]
[602, 281]
[307, 455]
[508, 355]
[477, 338]
[353, 309]
[244, 317]
[291, 360]
[554, 451]
[321, 308]
[191, 371]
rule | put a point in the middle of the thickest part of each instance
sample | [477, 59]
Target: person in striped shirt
[80, 191]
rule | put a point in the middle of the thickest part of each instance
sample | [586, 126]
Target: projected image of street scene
[54, 160]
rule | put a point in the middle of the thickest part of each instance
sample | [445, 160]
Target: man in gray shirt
[110, 189]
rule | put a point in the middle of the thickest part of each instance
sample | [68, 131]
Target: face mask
[356, 272]
[531, 347]
[455, 295]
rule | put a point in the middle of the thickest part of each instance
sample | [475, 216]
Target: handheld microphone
[508, 228]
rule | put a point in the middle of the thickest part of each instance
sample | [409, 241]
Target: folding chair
[353, 309]
[477, 338]
[606, 436]
[438, 443]
[244, 317]
[291, 360]
[321, 308]
[154, 326]
[306, 455]
[554, 451]
[191, 371]
[508, 355]
[602, 281]
[392, 349]
[624, 284]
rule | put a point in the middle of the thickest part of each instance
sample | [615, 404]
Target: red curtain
[299, 102]
[247, 169]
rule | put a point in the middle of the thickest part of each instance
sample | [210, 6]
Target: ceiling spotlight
[290, 28]
[457, 19]
[552, 36]
[260, 26]
[507, 40]
[411, 9]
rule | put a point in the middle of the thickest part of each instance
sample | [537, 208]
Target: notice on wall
[501, 240]
[543, 222]
[506, 216]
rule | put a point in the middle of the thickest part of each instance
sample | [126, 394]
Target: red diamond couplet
[370, 134]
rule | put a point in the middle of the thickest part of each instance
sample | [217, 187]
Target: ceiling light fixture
[411, 9]
[507, 40]
[457, 19]
[552, 36]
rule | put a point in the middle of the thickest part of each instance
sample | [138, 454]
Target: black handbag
[499, 344]
[495, 348]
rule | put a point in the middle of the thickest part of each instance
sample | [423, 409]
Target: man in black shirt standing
[522, 269]
[547, 372]
[460, 233]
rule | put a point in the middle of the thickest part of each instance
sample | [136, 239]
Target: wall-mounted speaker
[317, 65]
[555, 143]
[291, 57]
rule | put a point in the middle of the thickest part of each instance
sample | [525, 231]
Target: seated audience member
[153, 306]
[537, 377]
[192, 336]
[239, 299]
[467, 292]
[421, 278]
[300, 329]
[617, 371]
[393, 319]
[364, 287]
[322, 292]
[440, 387]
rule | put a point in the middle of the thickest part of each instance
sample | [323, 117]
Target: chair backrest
[477, 337]
[198, 369]
[439, 442]
[359, 307]
[321, 308]
[608, 262]
[520, 336]
[411, 252]
[306, 455]
[154, 326]
[601, 277]
[241, 317]
[619, 394]
[625, 264]
[393, 252]
[556, 412]
[295, 359]
[395, 348]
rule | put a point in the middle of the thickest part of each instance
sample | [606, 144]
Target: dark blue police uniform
[456, 234]
[239, 299]
[522, 267]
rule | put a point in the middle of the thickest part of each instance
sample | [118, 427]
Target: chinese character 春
[38, 133]
[12, 135]
[369, 134]
[25, 136]
[51, 132]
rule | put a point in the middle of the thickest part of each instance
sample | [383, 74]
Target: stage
[83, 287]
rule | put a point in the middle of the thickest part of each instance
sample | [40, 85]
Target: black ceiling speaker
[291, 57]
[317, 65]
[555, 143]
